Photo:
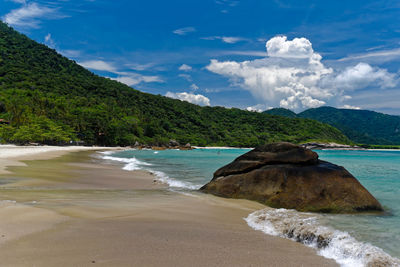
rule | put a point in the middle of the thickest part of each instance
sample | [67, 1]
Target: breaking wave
[330, 243]
[132, 164]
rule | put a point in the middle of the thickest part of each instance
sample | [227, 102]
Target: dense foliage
[281, 112]
[50, 99]
[361, 126]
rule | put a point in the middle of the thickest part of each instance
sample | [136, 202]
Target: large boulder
[283, 175]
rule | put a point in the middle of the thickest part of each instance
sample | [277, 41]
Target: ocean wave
[330, 243]
[133, 164]
[165, 179]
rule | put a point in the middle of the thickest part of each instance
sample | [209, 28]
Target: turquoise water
[193, 167]
[378, 171]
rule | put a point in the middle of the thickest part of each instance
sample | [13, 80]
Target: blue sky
[247, 54]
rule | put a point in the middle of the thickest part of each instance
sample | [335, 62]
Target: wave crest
[132, 164]
[330, 243]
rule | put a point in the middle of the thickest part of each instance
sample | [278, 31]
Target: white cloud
[19, 1]
[293, 76]
[245, 53]
[185, 76]
[226, 5]
[185, 67]
[349, 107]
[363, 75]
[48, 40]
[194, 87]
[128, 78]
[70, 53]
[184, 31]
[231, 40]
[258, 108]
[297, 48]
[134, 79]
[47, 37]
[29, 15]
[376, 56]
[98, 65]
[225, 39]
[140, 67]
[191, 98]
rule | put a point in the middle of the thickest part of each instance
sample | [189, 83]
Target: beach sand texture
[68, 209]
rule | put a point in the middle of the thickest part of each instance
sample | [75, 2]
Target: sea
[351, 240]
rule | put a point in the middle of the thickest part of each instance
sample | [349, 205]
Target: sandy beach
[65, 207]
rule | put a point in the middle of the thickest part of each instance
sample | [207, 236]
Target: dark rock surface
[284, 175]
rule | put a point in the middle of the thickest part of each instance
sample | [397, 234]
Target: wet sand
[74, 211]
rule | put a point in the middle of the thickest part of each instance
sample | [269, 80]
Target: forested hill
[361, 126]
[48, 98]
[281, 112]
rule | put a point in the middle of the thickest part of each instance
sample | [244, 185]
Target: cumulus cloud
[191, 98]
[185, 67]
[30, 15]
[293, 75]
[363, 75]
[184, 31]
[297, 48]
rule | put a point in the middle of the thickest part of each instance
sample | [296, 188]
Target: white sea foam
[164, 178]
[330, 243]
[133, 164]
[106, 152]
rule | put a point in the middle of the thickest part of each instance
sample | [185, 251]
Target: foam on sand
[330, 243]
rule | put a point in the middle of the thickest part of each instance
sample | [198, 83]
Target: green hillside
[281, 112]
[48, 98]
[361, 126]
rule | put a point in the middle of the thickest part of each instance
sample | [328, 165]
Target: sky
[253, 54]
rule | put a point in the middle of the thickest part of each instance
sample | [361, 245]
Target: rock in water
[284, 175]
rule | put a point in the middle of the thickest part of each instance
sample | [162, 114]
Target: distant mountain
[281, 112]
[361, 126]
[47, 98]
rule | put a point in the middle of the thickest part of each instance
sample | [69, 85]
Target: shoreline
[173, 229]
[13, 155]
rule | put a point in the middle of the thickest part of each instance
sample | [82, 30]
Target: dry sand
[72, 211]
[12, 155]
